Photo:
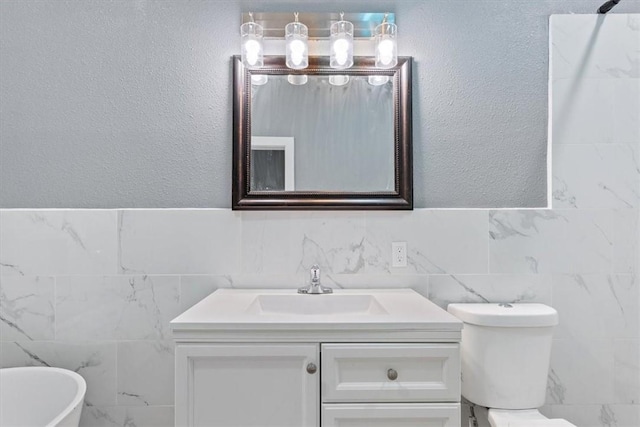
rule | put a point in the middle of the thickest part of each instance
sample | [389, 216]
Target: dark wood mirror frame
[244, 199]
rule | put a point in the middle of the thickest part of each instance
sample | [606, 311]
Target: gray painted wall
[127, 103]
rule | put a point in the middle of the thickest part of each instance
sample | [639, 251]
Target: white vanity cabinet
[247, 385]
[319, 371]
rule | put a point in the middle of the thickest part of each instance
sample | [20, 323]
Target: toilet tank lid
[521, 315]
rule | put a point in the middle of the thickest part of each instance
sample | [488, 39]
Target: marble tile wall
[94, 290]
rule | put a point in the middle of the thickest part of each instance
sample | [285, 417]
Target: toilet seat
[524, 418]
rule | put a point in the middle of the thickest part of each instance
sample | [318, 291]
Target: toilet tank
[505, 353]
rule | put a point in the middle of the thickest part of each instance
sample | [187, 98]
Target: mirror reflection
[322, 133]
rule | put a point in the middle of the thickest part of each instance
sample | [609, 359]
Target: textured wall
[127, 103]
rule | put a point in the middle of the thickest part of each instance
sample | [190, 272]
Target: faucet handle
[315, 273]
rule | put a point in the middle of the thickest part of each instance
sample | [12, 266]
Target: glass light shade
[252, 50]
[341, 45]
[296, 37]
[259, 79]
[297, 79]
[338, 80]
[378, 80]
[386, 45]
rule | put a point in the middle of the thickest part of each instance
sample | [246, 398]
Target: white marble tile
[195, 288]
[95, 361]
[281, 243]
[598, 415]
[627, 371]
[438, 241]
[145, 373]
[47, 243]
[581, 372]
[596, 176]
[582, 111]
[132, 416]
[116, 307]
[446, 289]
[625, 241]
[626, 109]
[596, 306]
[179, 241]
[550, 241]
[595, 46]
[417, 282]
[27, 309]
[270, 245]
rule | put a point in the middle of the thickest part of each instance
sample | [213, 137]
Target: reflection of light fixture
[338, 80]
[386, 44]
[296, 35]
[259, 79]
[378, 80]
[341, 44]
[252, 49]
[297, 79]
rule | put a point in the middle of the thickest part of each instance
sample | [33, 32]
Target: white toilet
[505, 356]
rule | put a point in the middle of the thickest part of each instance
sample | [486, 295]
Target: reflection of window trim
[284, 143]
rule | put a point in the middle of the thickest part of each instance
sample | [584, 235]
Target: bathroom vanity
[351, 358]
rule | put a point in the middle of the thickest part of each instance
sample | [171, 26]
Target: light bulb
[251, 45]
[341, 56]
[386, 45]
[252, 49]
[297, 51]
[385, 49]
[296, 35]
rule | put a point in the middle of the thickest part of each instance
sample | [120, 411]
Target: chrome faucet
[314, 286]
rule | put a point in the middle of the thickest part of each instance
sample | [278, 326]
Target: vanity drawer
[391, 414]
[390, 372]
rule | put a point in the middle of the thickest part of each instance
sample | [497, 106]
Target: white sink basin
[326, 304]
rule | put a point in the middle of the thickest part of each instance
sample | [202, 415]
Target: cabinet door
[220, 385]
[391, 415]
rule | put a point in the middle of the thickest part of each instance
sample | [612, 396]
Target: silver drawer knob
[312, 368]
[392, 374]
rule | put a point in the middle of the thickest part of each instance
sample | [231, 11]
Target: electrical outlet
[399, 254]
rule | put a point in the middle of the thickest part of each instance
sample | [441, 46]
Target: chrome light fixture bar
[342, 31]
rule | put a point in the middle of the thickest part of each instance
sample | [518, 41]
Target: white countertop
[230, 315]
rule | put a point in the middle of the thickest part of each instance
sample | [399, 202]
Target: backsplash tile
[145, 373]
[178, 241]
[46, 243]
[27, 308]
[550, 241]
[438, 241]
[95, 361]
[116, 307]
[596, 176]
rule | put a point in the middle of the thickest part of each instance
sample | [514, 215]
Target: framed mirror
[321, 138]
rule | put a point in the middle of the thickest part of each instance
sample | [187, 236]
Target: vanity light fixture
[335, 36]
[386, 44]
[252, 48]
[341, 44]
[296, 36]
